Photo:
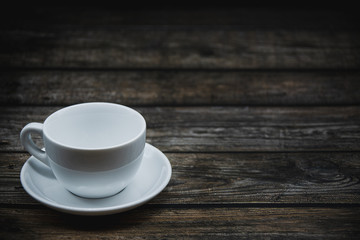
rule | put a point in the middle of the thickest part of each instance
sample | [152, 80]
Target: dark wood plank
[200, 48]
[174, 223]
[180, 87]
[248, 17]
[222, 129]
[233, 178]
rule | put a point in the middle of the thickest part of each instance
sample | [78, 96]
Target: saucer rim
[100, 210]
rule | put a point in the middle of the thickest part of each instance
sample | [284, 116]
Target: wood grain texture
[233, 178]
[258, 111]
[173, 88]
[202, 48]
[173, 223]
[221, 129]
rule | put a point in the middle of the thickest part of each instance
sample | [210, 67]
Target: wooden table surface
[258, 111]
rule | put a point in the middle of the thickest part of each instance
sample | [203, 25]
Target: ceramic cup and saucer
[95, 160]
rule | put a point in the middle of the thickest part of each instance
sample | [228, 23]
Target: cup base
[96, 184]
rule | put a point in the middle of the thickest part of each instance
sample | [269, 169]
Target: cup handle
[28, 143]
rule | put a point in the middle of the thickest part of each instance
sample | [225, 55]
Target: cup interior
[94, 126]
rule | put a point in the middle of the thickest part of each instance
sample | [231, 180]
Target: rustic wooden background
[257, 110]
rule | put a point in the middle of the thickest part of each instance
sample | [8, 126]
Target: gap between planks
[150, 69]
[214, 205]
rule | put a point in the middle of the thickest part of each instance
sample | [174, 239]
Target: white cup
[93, 149]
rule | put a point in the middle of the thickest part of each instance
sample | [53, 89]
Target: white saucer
[152, 177]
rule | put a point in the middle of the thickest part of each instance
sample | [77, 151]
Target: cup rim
[110, 147]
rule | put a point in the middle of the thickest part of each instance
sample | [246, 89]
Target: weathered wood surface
[234, 178]
[257, 110]
[173, 223]
[221, 129]
[179, 48]
[180, 87]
